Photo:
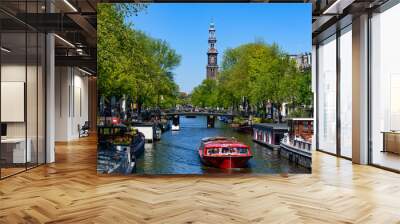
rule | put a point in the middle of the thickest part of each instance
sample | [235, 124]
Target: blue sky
[185, 28]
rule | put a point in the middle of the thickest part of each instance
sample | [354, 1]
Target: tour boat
[224, 153]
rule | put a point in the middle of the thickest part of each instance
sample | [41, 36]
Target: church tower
[212, 65]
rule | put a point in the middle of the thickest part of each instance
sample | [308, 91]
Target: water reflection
[177, 153]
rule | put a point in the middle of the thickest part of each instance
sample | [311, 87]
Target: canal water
[177, 153]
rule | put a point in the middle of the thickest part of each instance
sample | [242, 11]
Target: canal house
[269, 134]
[301, 128]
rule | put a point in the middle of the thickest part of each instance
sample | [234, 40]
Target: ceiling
[75, 22]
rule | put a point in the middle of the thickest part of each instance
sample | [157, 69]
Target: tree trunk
[265, 109]
[139, 105]
[279, 107]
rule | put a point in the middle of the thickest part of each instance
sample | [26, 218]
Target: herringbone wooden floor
[70, 191]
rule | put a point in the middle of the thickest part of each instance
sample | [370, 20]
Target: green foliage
[206, 94]
[131, 63]
[257, 120]
[299, 112]
[183, 99]
[259, 73]
[239, 120]
[267, 120]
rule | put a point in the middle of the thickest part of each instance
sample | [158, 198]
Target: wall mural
[194, 89]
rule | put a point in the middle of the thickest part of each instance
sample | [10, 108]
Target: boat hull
[137, 149]
[226, 162]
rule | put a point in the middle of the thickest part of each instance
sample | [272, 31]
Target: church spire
[212, 65]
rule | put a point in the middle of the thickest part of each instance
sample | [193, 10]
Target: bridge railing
[216, 113]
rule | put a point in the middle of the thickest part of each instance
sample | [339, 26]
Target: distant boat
[224, 153]
[175, 127]
[175, 123]
[165, 125]
[157, 136]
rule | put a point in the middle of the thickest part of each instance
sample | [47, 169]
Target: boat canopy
[217, 138]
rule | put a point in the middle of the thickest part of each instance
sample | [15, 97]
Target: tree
[253, 75]
[206, 94]
[131, 63]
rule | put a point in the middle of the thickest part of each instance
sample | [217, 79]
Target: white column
[314, 90]
[360, 90]
[50, 99]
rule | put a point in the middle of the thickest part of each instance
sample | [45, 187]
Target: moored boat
[175, 123]
[224, 153]
[118, 149]
[157, 136]
[296, 145]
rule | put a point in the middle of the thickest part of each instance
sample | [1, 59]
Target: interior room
[339, 51]
[385, 89]
[22, 100]
[47, 83]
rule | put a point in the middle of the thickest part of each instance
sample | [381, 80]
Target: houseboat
[296, 146]
[269, 134]
[149, 130]
[224, 153]
[301, 128]
[118, 149]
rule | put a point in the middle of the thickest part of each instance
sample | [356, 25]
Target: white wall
[33, 126]
[71, 102]
[11, 73]
[62, 82]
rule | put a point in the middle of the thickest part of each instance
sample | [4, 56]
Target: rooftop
[275, 126]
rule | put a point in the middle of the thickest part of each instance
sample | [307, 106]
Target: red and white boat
[224, 153]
